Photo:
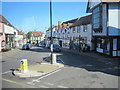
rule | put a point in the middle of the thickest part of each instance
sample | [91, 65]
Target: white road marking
[61, 60]
[42, 86]
[31, 83]
[48, 74]
[4, 72]
[35, 81]
[49, 84]
[62, 86]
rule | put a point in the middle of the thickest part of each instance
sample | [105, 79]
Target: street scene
[65, 45]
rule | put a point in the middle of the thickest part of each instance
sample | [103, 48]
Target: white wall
[8, 29]
[87, 34]
[114, 28]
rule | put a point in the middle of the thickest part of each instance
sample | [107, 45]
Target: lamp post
[51, 30]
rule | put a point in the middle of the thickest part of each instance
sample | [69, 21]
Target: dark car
[56, 47]
[26, 46]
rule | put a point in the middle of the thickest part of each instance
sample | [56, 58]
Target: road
[79, 71]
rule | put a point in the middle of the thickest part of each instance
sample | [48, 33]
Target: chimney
[59, 23]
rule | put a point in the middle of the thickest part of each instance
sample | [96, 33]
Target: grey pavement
[79, 72]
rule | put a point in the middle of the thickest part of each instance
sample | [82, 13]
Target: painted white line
[31, 83]
[42, 86]
[61, 60]
[4, 72]
[49, 84]
[62, 86]
[48, 74]
[35, 81]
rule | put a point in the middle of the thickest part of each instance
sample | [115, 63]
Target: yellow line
[7, 80]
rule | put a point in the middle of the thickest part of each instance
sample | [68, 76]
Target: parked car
[56, 48]
[40, 45]
[26, 46]
[48, 45]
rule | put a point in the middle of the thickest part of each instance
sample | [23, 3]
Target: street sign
[24, 65]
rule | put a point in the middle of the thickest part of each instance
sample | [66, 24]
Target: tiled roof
[36, 33]
[83, 21]
[4, 20]
[70, 21]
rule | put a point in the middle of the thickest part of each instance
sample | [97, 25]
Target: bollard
[24, 65]
[54, 58]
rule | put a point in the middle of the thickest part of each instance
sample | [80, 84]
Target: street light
[51, 30]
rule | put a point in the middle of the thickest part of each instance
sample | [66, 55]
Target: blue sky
[30, 16]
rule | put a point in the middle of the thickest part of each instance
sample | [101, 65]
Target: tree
[28, 35]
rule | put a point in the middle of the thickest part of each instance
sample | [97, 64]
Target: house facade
[37, 37]
[106, 29]
[81, 32]
[7, 34]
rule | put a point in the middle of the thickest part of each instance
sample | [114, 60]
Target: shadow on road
[91, 64]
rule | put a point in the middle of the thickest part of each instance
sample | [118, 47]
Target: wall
[114, 28]
[8, 29]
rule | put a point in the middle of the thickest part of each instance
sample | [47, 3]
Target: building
[37, 37]
[81, 32]
[20, 39]
[106, 29]
[7, 34]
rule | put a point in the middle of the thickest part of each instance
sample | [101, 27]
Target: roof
[83, 21]
[110, 0]
[102, 1]
[70, 21]
[37, 33]
[4, 20]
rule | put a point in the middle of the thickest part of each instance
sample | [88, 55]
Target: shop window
[3, 43]
[103, 44]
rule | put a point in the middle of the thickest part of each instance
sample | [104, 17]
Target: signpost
[51, 30]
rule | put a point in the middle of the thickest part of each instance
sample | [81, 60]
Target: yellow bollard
[54, 58]
[24, 65]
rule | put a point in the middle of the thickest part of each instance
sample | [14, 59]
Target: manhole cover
[40, 71]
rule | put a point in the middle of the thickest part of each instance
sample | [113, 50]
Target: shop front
[66, 43]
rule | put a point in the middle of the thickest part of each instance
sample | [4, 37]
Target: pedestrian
[83, 47]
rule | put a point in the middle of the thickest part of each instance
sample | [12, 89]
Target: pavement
[39, 70]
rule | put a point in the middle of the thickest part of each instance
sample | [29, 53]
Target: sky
[30, 16]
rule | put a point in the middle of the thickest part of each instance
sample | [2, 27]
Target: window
[118, 44]
[85, 28]
[73, 29]
[97, 19]
[78, 29]
[68, 35]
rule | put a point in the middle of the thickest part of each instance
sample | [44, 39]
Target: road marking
[62, 86]
[10, 81]
[42, 86]
[49, 84]
[61, 60]
[4, 72]
[48, 74]
[35, 81]
[31, 83]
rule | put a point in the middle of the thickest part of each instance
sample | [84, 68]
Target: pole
[51, 30]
